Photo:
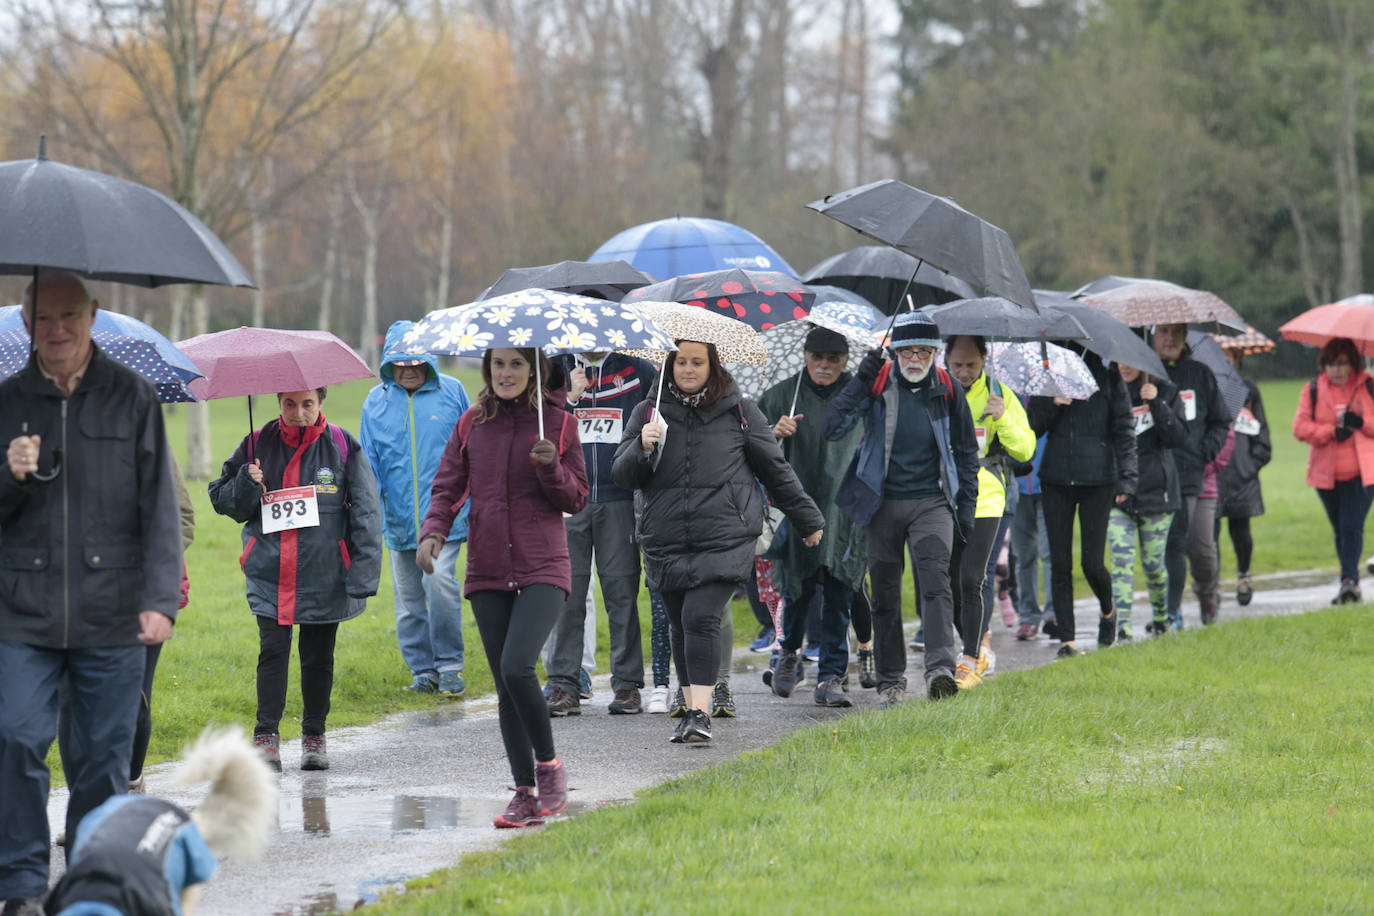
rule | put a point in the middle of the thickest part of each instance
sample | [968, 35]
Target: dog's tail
[240, 812]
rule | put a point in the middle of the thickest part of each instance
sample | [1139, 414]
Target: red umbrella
[1353, 318]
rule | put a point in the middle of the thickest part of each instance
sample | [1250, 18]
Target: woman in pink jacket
[518, 571]
[1336, 417]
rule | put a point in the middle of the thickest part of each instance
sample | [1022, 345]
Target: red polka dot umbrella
[759, 298]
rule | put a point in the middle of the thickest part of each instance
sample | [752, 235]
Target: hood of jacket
[394, 352]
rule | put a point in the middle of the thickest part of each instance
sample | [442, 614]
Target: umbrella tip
[42, 146]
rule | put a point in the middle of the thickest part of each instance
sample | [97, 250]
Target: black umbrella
[59, 217]
[1207, 351]
[1103, 284]
[610, 279]
[883, 275]
[937, 231]
[1002, 319]
[1106, 336]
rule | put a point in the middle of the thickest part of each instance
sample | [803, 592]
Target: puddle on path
[325, 815]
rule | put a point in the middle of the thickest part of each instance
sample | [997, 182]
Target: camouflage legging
[1123, 530]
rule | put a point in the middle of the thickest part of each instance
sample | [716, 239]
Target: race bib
[1189, 398]
[1246, 424]
[1143, 418]
[599, 425]
[981, 433]
[290, 509]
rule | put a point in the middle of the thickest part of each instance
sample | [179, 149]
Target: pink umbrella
[1352, 317]
[248, 361]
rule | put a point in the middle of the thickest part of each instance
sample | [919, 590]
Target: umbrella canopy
[758, 297]
[1352, 318]
[996, 317]
[59, 217]
[610, 280]
[735, 341]
[1247, 342]
[126, 340]
[936, 230]
[1106, 336]
[786, 356]
[247, 361]
[1057, 372]
[1207, 351]
[1152, 302]
[826, 293]
[883, 275]
[1102, 284]
[689, 244]
[552, 321]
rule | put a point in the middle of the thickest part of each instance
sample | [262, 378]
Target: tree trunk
[1346, 166]
[199, 461]
[719, 65]
[331, 258]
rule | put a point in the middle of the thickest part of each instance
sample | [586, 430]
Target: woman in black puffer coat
[699, 508]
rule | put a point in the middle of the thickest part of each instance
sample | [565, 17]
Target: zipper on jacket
[414, 467]
[594, 475]
[66, 542]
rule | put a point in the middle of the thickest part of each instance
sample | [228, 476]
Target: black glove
[965, 528]
[868, 368]
[1343, 433]
[1352, 420]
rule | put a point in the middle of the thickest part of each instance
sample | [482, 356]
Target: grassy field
[207, 671]
[1218, 771]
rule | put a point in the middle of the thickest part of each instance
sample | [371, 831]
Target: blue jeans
[101, 696]
[429, 611]
[835, 598]
[1346, 506]
[1030, 542]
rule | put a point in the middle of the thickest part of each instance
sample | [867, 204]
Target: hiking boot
[269, 746]
[678, 709]
[552, 781]
[829, 692]
[1106, 630]
[788, 674]
[941, 686]
[626, 703]
[1209, 608]
[696, 727]
[1124, 632]
[722, 702]
[868, 671]
[423, 683]
[1245, 590]
[891, 695]
[966, 674]
[765, 641]
[1027, 631]
[451, 684]
[584, 684]
[1349, 593]
[562, 703]
[523, 810]
[1068, 650]
[313, 754]
[658, 700]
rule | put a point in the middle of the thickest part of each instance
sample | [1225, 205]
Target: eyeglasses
[56, 468]
[915, 352]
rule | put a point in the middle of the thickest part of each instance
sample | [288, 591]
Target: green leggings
[1152, 531]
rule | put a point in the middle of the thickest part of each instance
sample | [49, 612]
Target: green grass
[1215, 771]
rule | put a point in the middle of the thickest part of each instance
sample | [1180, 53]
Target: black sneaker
[1157, 627]
[1245, 589]
[788, 674]
[868, 672]
[941, 686]
[1067, 651]
[830, 693]
[722, 702]
[1106, 630]
[678, 708]
[696, 728]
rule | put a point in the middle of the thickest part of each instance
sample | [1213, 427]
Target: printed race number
[289, 509]
[599, 425]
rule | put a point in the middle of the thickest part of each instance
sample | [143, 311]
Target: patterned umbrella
[785, 344]
[760, 297]
[735, 341]
[1058, 373]
[1149, 302]
[1247, 342]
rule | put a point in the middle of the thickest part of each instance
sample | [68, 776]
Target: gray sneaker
[788, 674]
[451, 684]
[313, 754]
[830, 692]
[269, 746]
[891, 695]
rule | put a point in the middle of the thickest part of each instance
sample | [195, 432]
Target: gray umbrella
[609, 279]
[1106, 336]
[59, 217]
[883, 275]
[1001, 319]
[1207, 351]
[937, 231]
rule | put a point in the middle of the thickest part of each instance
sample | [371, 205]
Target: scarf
[687, 400]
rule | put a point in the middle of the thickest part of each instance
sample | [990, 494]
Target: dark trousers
[604, 532]
[1346, 505]
[660, 642]
[968, 563]
[990, 588]
[514, 626]
[1238, 527]
[317, 673]
[835, 597]
[694, 616]
[1093, 506]
[861, 615]
[926, 528]
[99, 694]
[143, 727]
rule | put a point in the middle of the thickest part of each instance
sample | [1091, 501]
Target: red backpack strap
[465, 424]
[947, 382]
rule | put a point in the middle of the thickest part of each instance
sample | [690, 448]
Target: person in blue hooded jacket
[406, 422]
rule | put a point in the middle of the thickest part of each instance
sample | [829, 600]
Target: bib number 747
[289, 509]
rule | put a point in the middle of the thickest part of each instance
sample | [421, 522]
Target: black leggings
[968, 564]
[861, 614]
[317, 673]
[514, 627]
[1093, 505]
[694, 615]
[1241, 539]
[143, 726]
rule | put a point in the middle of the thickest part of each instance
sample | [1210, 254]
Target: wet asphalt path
[414, 793]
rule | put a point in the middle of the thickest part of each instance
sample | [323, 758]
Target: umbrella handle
[251, 428]
[539, 391]
[795, 392]
[659, 396]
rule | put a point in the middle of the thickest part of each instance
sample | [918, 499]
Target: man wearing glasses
[914, 484]
[90, 570]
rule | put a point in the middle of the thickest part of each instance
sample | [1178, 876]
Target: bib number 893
[287, 508]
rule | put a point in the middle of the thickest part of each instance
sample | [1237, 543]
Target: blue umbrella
[690, 245]
[126, 340]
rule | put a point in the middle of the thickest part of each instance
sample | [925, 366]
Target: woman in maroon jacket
[518, 572]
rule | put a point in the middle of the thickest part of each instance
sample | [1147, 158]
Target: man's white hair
[57, 280]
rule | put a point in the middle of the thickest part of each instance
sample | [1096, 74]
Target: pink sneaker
[1009, 617]
[553, 787]
[523, 810]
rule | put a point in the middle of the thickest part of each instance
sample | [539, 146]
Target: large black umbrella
[883, 276]
[1002, 319]
[937, 231]
[1106, 336]
[59, 217]
[1207, 351]
[609, 279]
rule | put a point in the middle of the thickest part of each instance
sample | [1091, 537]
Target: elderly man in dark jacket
[914, 485]
[90, 571]
[1191, 538]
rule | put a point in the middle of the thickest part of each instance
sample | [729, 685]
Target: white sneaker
[658, 701]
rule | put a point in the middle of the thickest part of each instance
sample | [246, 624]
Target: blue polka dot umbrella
[126, 340]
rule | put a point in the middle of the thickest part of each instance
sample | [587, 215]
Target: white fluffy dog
[137, 855]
